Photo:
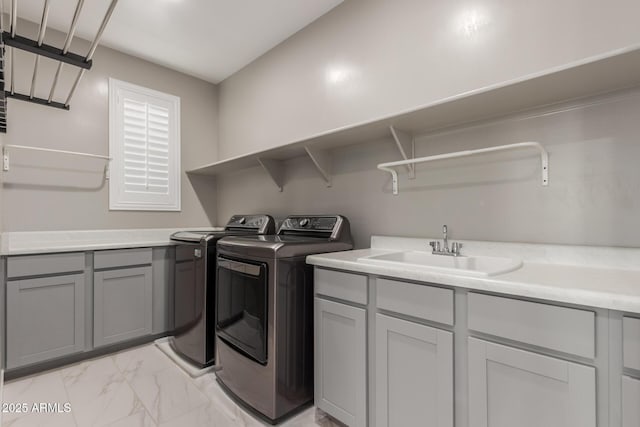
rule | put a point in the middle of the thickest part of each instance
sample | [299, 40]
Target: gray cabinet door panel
[510, 387]
[630, 402]
[45, 318]
[123, 304]
[340, 361]
[631, 342]
[163, 288]
[414, 374]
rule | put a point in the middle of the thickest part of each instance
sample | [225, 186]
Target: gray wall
[367, 59]
[592, 197]
[55, 192]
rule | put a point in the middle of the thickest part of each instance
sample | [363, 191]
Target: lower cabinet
[630, 402]
[414, 374]
[510, 387]
[341, 361]
[123, 304]
[45, 318]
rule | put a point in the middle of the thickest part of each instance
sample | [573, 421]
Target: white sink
[466, 265]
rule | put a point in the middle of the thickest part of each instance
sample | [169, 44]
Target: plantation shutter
[145, 148]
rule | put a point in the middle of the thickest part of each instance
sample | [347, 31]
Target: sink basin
[466, 265]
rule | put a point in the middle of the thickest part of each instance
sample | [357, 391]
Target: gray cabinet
[510, 387]
[630, 402]
[123, 304]
[45, 318]
[631, 342]
[414, 374]
[341, 361]
[164, 261]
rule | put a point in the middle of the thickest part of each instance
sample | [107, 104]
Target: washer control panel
[263, 223]
[325, 223]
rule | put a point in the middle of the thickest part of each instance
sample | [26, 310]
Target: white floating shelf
[612, 71]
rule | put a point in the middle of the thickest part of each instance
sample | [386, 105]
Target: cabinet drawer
[631, 342]
[422, 301]
[345, 286]
[557, 328]
[121, 258]
[38, 265]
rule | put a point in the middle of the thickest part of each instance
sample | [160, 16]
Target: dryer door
[242, 306]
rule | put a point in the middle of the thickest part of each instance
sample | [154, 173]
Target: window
[144, 142]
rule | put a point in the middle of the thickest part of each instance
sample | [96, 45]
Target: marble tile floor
[139, 387]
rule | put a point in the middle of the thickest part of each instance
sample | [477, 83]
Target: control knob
[304, 222]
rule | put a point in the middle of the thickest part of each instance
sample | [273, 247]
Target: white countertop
[592, 276]
[35, 242]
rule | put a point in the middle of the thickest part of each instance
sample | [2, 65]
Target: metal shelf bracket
[275, 169]
[322, 161]
[544, 160]
[406, 145]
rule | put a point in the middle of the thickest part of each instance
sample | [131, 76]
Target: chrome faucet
[446, 241]
[444, 250]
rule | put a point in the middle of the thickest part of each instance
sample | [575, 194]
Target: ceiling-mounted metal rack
[39, 48]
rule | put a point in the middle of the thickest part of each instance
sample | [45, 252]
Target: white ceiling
[209, 39]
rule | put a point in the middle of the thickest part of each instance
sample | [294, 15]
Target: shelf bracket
[322, 161]
[5, 159]
[544, 160]
[406, 145]
[275, 170]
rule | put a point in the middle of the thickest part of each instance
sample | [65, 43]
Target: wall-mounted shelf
[544, 160]
[605, 73]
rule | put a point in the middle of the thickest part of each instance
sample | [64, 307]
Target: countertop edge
[86, 248]
[576, 296]
[46, 242]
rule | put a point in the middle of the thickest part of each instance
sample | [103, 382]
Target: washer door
[242, 306]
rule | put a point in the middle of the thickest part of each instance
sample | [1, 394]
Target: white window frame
[118, 198]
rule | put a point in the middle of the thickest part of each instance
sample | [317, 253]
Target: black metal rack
[14, 41]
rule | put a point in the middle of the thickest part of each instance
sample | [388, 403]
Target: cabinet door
[510, 387]
[630, 402]
[123, 304]
[414, 374]
[341, 361]
[45, 318]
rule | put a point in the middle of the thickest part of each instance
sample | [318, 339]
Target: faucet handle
[435, 246]
[455, 248]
